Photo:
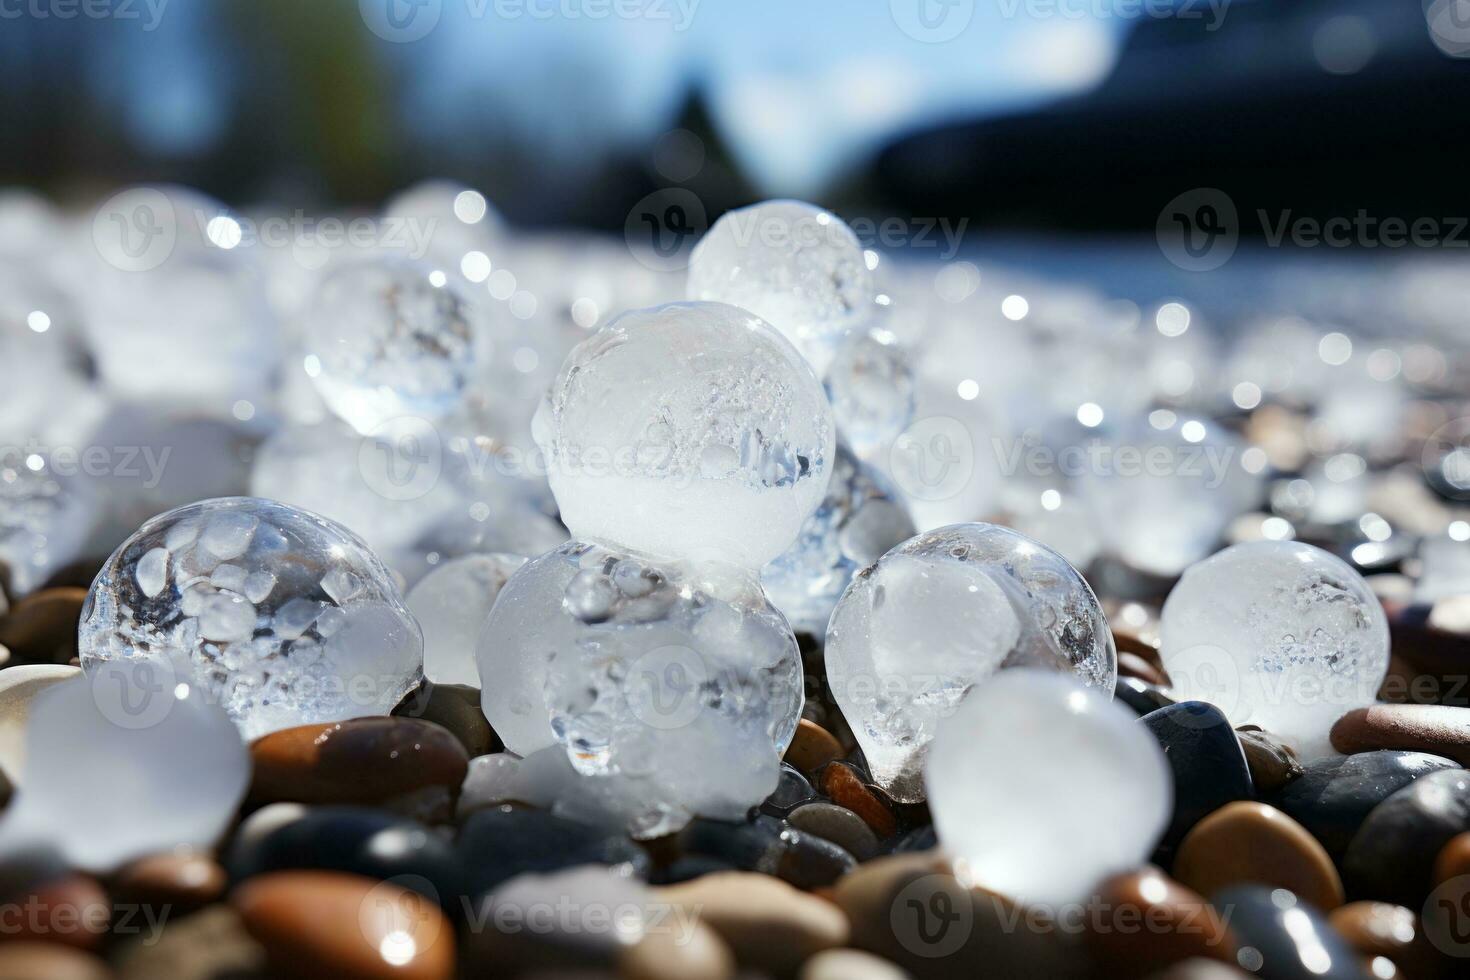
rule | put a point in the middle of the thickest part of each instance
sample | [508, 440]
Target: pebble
[366, 760]
[498, 843]
[19, 687]
[754, 846]
[210, 945]
[20, 960]
[1247, 842]
[1390, 931]
[455, 707]
[842, 784]
[1434, 728]
[42, 627]
[356, 840]
[1145, 921]
[181, 882]
[849, 964]
[808, 861]
[1335, 794]
[1391, 857]
[812, 747]
[838, 825]
[1284, 938]
[1273, 763]
[1140, 696]
[1208, 764]
[1200, 969]
[320, 923]
[666, 954]
[1132, 665]
[768, 924]
[1453, 859]
[792, 790]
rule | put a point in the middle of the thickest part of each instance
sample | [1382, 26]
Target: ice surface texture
[938, 615]
[278, 615]
[1277, 634]
[687, 431]
[451, 603]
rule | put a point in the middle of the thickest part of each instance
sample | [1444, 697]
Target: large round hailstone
[687, 431]
[1277, 634]
[387, 338]
[795, 265]
[673, 686]
[1040, 788]
[451, 604]
[942, 613]
[278, 615]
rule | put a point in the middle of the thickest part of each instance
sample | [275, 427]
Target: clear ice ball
[642, 673]
[795, 265]
[687, 431]
[280, 616]
[860, 518]
[942, 613]
[872, 390]
[389, 338]
[451, 603]
[1277, 634]
[45, 520]
[1086, 789]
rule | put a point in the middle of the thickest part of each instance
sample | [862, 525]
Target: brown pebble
[1132, 665]
[768, 924]
[326, 924]
[1272, 762]
[48, 961]
[212, 944]
[72, 910]
[850, 964]
[1434, 728]
[1245, 842]
[180, 882]
[42, 627]
[365, 760]
[842, 785]
[1200, 969]
[1387, 930]
[1453, 860]
[1145, 921]
[812, 747]
[457, 708]
[668, 954]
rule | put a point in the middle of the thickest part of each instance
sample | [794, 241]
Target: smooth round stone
[792, 791]
[1205, 756]
[1141, 696]
[19, 686]
[212, 944]
[1434, 728]
[842, 784]
[918, 839]
[181, 882]
[21, 960]
[849, 964]
[71, 910]
[768, 924]
[1284, 938]
[688, 868]
[1273, 763]
[1391, 857]
[754, 846]
[354, 840]
[838, 825]
[810, 862]
[1453, 859]
[1132, 665]
[1390, 931]
[1200, 969]
[1252, 843]
[496, 844]
[366, 760]
[812, 747]
[42, 627]
[1334, 796]
[456, 707]
[674, 954]
[1180, 925]
[322, 923]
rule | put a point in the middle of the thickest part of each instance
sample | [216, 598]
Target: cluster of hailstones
[693, 455]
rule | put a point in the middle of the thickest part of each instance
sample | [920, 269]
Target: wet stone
[366, 760]
[20, 960]
[809, 862]
[812, 747]
[1390, 931]
[70, 910]
[1140, 696]
[498, 843]
[792, 791]
[1273, 763]
[1391, 857]
[843, 785]
[1252, 843]
[181, 882]
[42, 627]
[918, 839]
[456, 708]
[838, 825]
[689, 867]
[849, 964]
[1434, 728]
[1205, 756]
[1285, 938]
[1335, 795]
[1181, 925]
[754, 846]
[210, 945]
[1132, 665]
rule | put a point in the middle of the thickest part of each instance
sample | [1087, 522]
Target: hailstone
[44, 520]
[860, 519]
[388, 338]
[795, 265]
[280, 616]
[1277, 634]
[940, 614]
[451, 603]
[642, 673]
[687, 431]
[1040, 788]
[872, 389]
